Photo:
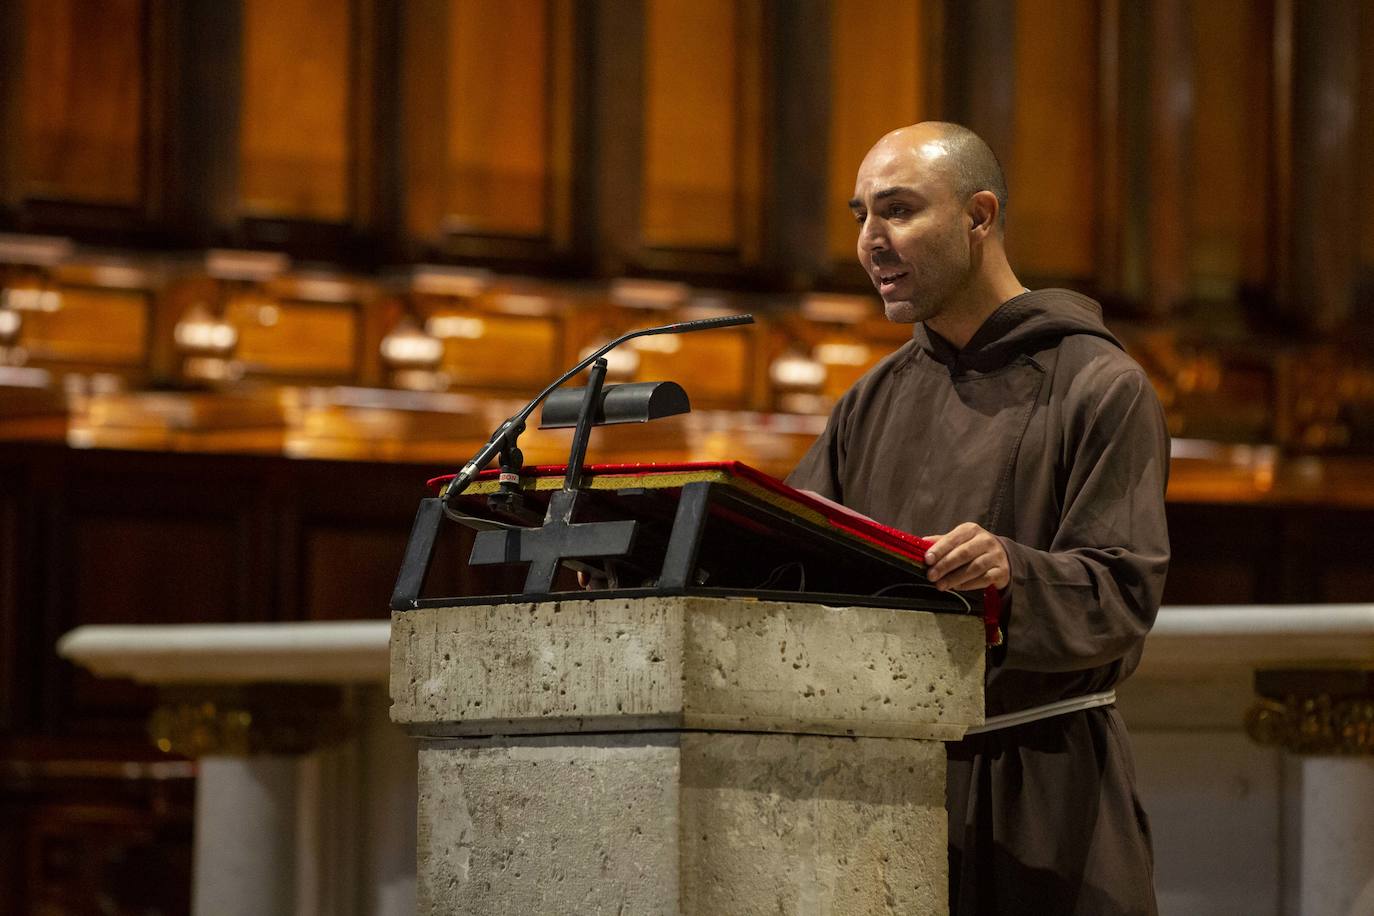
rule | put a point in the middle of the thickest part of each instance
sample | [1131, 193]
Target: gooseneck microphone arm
[516, 424]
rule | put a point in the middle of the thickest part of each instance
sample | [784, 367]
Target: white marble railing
[1185, 641]
[1238, 827]
[1258, 636]
[345, 652]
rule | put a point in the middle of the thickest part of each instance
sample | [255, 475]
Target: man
[1014, 424]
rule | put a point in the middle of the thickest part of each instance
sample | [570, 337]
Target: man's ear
[982, 212]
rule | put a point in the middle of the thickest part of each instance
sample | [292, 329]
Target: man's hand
[969, 557]
[592, 581]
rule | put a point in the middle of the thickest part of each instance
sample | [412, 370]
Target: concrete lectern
[683, 755]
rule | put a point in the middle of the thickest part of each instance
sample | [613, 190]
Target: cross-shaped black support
[557, 540]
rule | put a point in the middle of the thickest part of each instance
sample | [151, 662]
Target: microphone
[512, 427]
[700, 324]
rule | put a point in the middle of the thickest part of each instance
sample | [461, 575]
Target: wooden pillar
[1145, 112]
[609, 219]
[1167, 155]
[796, 199]
[980, 69]
[1323, 158]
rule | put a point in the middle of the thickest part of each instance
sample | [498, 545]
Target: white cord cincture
[1036, 713]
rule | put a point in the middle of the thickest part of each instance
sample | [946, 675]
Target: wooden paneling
[93, 326]
[1281, 145]
[499, 352]
[1143, 199]
[1221, 556]
[1346, 575]
[293, 338]
[609, 215]
[139, 539]
[1052, 166]
[11, 110]
[692, 69]
[84, 101]
[1158, 152]
[294, 137]
[343, 529]
[1167, 157]
[1232, 164]
[715, 368]
[1325, 166]
[879, 81]
[111, 854]
[487, 110]
[980, 70]
[424, 116]
[796, 209]
[350, 570]
[1111, 146]
[10, 621]
[205, 107]
[1366, 141]
[147, 568]
[498, 138]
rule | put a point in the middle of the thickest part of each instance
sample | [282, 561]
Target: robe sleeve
[819, 469]
[1093, 595]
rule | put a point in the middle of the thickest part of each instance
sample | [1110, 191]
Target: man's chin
[900, 311]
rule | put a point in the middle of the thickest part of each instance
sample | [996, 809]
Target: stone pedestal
[683, 755]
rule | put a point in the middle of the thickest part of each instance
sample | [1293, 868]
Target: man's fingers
[954, 557]
[968, 570]
[995, 576]
[951, 540]
[590, 581]
[986, 569]
[975, 574]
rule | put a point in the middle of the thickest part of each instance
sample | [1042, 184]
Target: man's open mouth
[888, 279]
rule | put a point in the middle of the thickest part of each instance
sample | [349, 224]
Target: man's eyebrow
[885, 192]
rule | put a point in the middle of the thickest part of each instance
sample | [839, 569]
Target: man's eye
[897, 210]
[860, 217]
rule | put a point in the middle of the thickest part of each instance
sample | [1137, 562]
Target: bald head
[955, 153]
[929, 201]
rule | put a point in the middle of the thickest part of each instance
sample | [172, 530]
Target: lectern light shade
[637, 402]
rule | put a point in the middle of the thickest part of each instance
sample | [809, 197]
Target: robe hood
[1033, 321]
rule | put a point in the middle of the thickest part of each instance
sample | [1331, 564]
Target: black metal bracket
[419, 551]
[559, 539]
[680, 559]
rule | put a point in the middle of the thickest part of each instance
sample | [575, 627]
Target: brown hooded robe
[1046, 433]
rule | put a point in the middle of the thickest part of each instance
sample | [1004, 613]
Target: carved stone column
[268, 784]
[1325, 720]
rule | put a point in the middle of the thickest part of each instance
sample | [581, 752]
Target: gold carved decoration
[1314, 712]
[247, 720]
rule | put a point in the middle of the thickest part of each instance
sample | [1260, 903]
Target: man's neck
[992, 286]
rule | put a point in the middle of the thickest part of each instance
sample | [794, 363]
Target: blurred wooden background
[265, 266]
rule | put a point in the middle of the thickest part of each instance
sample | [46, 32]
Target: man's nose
[871, 235]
